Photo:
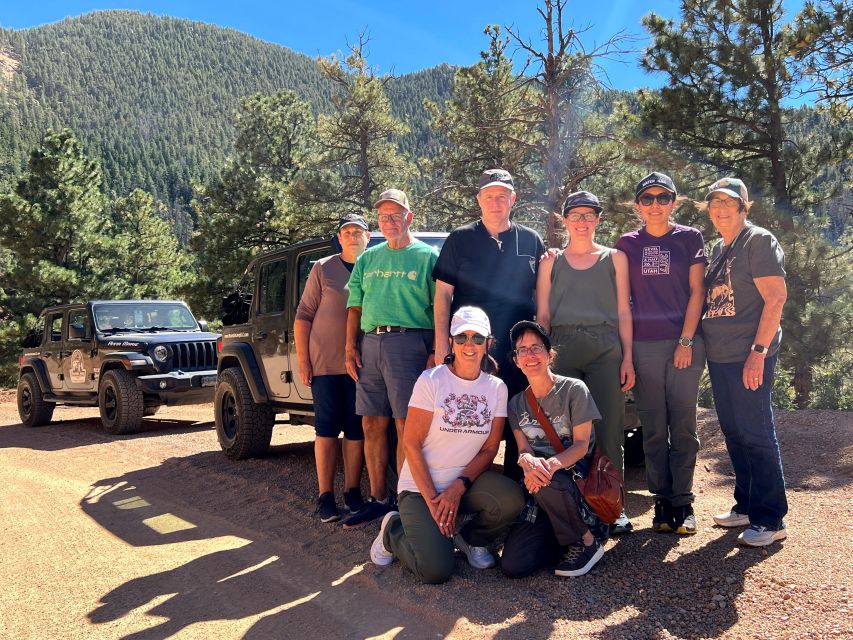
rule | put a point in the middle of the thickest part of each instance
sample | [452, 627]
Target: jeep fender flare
[240, 354]
[128, 360]
[37, 368]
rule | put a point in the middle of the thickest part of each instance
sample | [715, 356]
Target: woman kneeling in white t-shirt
[446, 494]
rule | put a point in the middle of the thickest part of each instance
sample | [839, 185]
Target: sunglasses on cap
[663, 199]
[476, 338]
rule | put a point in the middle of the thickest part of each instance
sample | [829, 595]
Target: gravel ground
[649, 585]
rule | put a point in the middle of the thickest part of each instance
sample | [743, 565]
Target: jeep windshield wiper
[119, 330]
[152, 329]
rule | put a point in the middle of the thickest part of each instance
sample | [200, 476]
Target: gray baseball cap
[353, 218]
[581, 199]
[496, 178]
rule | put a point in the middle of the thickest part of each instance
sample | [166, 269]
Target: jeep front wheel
[243, 427]
[32, 407]
[121, 403]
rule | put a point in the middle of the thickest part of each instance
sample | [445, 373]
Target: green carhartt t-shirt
[394, 286]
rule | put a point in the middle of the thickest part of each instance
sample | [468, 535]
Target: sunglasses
[477, 339]
[663, 199]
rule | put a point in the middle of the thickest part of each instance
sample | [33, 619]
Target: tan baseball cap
[393, 195]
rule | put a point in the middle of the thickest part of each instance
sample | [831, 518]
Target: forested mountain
[153, 96]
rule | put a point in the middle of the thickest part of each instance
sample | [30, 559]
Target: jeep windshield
[143, 316]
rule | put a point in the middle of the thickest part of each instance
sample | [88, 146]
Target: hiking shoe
[760, 536]
[663, 521]
[353, 500]
[379, 555]
[327, 509]
[731, 518]
[478, 557]
[371, 510]
[622, 525]
[579, 559]
[684, 520]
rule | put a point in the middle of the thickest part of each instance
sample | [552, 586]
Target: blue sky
[404, 36]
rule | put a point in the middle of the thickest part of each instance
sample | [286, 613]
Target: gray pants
[533, 545]
[666, 404]
[415, 539]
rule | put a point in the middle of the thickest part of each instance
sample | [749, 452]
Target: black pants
[516, 382]
[533, 545]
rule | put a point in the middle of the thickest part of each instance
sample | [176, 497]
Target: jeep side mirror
[202, 324]
[76, 331]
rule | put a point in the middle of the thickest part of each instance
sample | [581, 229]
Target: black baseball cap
[353, 218]
[496, 178]
[528, 325]
[655, 179]
[581, 199]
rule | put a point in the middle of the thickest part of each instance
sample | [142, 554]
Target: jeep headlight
[161, 353]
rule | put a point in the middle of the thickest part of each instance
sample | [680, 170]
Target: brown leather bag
[602, 487]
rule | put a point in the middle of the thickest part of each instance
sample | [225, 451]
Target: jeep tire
[120, 401]
[244, 428]
[32, 407]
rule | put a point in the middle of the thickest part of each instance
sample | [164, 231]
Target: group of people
[530, 344]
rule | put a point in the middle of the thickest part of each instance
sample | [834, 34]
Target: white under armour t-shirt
[462, 414]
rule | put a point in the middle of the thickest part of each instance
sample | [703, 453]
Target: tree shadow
[83, 432]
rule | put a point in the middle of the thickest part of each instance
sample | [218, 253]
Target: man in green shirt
[391, 293]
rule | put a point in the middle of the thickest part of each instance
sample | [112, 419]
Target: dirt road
[158, 535]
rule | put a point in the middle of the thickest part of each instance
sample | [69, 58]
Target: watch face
[685, 342]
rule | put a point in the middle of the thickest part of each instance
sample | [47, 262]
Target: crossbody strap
[543, 421]
[718, 265]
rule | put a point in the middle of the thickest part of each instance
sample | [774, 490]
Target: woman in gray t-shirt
[556, 532]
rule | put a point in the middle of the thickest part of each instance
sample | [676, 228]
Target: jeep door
[77, 365]
[270, 335]
[52, 349]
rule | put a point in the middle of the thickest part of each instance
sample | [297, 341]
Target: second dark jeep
[127, 357]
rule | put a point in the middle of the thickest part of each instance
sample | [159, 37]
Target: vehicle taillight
[20, 361]
[219, 345]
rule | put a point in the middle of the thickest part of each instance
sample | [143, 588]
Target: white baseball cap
[470, 319]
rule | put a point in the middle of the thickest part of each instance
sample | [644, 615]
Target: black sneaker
[372, 510]
[353, 500]
[579, 559]
[327, 509]
[663, 520]
[684, 520]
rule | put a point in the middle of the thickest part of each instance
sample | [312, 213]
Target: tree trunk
[803, 385]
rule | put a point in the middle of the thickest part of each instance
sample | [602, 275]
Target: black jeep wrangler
[127, 357]
[258, 370]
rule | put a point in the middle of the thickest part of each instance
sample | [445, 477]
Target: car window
[55, 323]
[273, 286]
[303, 267]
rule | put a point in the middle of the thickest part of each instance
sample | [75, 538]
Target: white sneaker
[760, 536]
[478, 557]
[731, 518]
[379, 555]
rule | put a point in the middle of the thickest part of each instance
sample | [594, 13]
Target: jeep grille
[194, 356]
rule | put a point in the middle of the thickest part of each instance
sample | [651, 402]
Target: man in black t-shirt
[491, 264]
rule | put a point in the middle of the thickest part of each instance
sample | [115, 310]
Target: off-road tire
[120, 402]
[34, 410]
[244, 428]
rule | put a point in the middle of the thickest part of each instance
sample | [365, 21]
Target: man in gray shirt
[320, 335]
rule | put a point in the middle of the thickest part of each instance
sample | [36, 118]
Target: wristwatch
[466, 481]
[684, 341]
[759, 348]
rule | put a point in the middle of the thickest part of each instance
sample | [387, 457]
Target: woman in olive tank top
[582, 299]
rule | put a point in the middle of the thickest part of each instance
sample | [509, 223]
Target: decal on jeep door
[78, 371]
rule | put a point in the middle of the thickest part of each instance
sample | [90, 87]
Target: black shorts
[334, 407]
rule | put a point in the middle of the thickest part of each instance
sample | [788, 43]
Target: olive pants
[594, 354]
[416, 540]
